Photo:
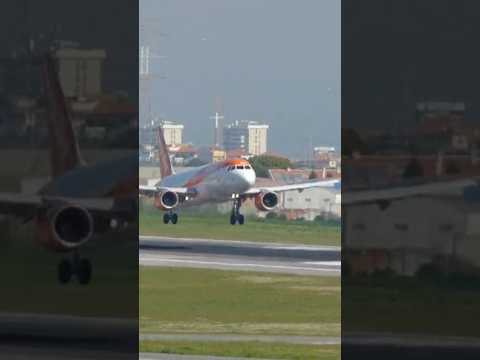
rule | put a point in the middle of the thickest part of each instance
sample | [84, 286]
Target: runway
[239, 256]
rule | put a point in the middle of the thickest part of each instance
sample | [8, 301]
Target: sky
[274, 61]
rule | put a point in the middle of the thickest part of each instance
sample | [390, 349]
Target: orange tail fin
[165, 164]
[64, 152]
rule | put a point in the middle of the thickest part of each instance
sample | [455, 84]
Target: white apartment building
[172, 133]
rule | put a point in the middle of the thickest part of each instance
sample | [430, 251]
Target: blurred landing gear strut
[170, 216]
[78, 266]
[236, 216]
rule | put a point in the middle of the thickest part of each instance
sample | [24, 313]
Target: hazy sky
[276, 61]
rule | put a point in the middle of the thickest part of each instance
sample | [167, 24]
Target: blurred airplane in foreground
[385, 195]
[79, 201]
[213, 183]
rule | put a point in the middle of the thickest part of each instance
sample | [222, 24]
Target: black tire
[84, 271]
[233, 219]
[241, 219]
[166, 218]
[174, 218]
[65, 271]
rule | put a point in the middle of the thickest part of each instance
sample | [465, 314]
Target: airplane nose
[250, 177]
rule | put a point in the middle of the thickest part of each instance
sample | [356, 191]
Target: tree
[262, 163]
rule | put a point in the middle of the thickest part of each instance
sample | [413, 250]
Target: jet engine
[65, 228]
[166, 200]
[266, 201]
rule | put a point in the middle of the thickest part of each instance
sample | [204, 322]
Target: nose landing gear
[236, 216]
[80, 267]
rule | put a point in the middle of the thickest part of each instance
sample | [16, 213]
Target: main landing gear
[170, 217]
[78, 266]
[236, 216]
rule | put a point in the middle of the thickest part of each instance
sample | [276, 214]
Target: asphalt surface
[408, 346]
[43, 336]
[240, 256]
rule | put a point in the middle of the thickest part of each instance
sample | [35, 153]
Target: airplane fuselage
[214, 182]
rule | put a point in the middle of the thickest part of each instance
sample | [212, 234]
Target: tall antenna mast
[145, 75]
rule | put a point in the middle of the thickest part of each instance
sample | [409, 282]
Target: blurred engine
[266, 201]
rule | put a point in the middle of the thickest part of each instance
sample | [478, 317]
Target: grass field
[217, 226]
[246, 349]
[198, 301]
[408, 306]
[176, 300]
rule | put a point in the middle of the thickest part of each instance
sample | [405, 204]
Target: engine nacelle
[266, 201]
[166, 200]
[64, 228]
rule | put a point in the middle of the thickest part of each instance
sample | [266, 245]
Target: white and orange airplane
[230, 180]
[79, 201]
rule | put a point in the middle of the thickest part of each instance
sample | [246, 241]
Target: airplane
[386, 195]
[229, 180]
[80, 201]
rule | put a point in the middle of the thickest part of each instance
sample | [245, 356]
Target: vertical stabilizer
[63, 147]
[165, 164]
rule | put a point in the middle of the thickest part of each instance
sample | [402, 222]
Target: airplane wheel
[233, 219]
[174, 218]
[241, 219]
[84, 271]
[65, 271]
[166, 218]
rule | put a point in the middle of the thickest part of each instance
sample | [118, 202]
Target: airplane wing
[26, 205]
[401, 192]
[152, 190]
[334, 184]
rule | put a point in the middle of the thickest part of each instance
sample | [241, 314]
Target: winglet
[64, 152]
[165, 164]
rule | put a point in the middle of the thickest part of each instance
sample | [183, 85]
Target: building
[323, 152]
[248, 135]
[80, 71]
[257, 138]
[378, 238]
[172, 133]
[235, 136]
[310, 203]
[211, 154]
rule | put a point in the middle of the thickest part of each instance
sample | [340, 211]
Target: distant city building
[324, 153]
[324, 149]
[257, 138]
[440, 113]
[172, 133]
[248, 135]
[80, 71]
[209, 155]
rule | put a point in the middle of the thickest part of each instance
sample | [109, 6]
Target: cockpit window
[247, 167]
[239, 166]
[230, 168]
